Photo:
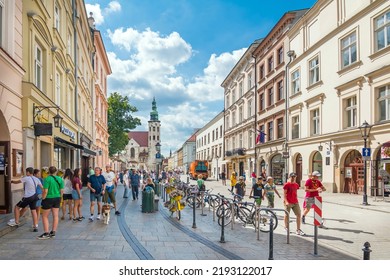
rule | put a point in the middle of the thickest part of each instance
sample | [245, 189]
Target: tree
[120, 122]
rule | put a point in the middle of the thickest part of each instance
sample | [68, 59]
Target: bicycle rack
[288, 220]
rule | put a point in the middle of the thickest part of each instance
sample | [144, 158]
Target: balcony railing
[238, 151]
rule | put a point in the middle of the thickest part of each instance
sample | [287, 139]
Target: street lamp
[158, 159]
[365, 129]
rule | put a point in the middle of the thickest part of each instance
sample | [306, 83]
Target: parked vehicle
[199, 167]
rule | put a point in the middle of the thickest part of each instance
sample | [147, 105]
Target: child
[270, 190]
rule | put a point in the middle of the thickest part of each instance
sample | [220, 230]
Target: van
[199, 167]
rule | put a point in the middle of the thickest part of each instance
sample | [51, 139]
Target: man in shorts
[30, 184]
[291, 202]
[96, 185]
[110, 190]
[312, 187]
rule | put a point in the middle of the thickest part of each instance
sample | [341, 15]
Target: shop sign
[68, 132]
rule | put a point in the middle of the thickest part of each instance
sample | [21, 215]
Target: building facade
[189, 152]
[239, 115]
[209, 145]
[338, 79]
[101, 70]
[12, 152]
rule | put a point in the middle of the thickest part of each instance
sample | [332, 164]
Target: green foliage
[120, 121]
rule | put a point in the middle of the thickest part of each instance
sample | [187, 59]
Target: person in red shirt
[291, 202]
[312, 187]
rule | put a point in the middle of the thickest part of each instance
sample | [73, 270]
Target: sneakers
[300, 232]
[303, 220]
[45, 235]
[91, 219]
[52, 234]
[35, 229]
[98, 217]
[12, 223]
[117, 213]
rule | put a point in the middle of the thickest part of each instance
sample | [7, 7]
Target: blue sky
[180, 51]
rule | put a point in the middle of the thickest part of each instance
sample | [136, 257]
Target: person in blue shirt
[37, 174]
[135, 179]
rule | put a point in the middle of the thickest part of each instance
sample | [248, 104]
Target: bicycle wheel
[265, 218]
[190, 201]
[214, 200]
[224, 211]
[244, 214]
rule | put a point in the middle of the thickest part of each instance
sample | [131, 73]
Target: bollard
[366, 251]
[222, 240]
[163, 194]
[202, 203]
[257, 223]
[271, 239]
[193, 212]
[232, 215]
[214, 212]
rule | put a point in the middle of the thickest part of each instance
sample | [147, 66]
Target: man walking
[291, 202]
[96, 185]
[135, 182]
[312, 187]
[30, 184]
[111, 184]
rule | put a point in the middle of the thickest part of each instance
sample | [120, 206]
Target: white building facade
[340, 78]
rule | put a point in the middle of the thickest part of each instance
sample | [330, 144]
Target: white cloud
[113, 6]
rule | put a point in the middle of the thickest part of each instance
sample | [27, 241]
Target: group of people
[264, 187]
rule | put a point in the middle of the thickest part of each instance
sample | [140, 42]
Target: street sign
[366, 158]
[366, 152]
[286, 155]
[158, 155]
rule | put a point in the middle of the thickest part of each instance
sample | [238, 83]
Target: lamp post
[158, 159]
[365, 129]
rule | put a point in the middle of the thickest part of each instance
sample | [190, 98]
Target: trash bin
[147, 200]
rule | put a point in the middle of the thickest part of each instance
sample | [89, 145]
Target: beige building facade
[339, 79]
[12, 152]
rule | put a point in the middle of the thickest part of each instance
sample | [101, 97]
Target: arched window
[132, 153]
[317, 162]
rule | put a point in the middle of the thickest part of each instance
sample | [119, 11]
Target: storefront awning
[88, 152]
[63, 141]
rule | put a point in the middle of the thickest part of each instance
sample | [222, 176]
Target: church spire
[154, 113]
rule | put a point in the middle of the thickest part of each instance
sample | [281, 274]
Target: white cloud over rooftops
[99, 13]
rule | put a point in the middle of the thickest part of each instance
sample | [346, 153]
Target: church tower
[154, 135]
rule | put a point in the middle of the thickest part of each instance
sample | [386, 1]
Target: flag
[260, 137]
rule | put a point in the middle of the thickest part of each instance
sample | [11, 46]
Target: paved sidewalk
[137, 235]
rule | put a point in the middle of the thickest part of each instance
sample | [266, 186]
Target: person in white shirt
[126, 183]
[110, 190]
[30, 198]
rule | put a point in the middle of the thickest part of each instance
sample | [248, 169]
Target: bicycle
[211, 199]
[239, 210]
[265, 215]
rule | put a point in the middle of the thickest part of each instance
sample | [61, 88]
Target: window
[132, 153]
[270, 64]
[314, 71]
[227, 101]
[384, 103]
[38, 67]
[280, 127]
[250, 139]
[261, 71]
[220, 131]
[295, 82]
[234, 142]
[69, 43]
[240, 141]
[270, 96]
[262, 104]
[240, 89]
[295, 127]
[249, 80]
[249, 108]
[280, 90]
[227, 122]
[351, 111]
[348, 50]
[280, 55]
[234, 95]
[315, 118]
[270, 131]
[57, 17]
[234, 120]
[382, 31]
[240, 115]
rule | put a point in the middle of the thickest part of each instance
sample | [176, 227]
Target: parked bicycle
[264, 216]
[208, 198]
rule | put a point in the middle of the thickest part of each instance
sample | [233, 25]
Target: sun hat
[316, 173]
[269, 178]
[292, 174]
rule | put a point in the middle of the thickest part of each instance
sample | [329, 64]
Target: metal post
[222, 240]
[315, 240]
[214, 212]
[271, 239]
[365, 176]
[193, 212]
[202, 203]
[258, 222]
[233, 215]
[366, 251]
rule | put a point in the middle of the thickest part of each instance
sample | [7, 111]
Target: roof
[141, 137]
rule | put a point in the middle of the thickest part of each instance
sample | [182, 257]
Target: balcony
[238, 151]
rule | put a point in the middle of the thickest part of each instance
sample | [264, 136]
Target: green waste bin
[147, 200]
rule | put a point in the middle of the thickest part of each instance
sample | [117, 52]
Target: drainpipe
[76, 116]
[255, 161]
[291, 55]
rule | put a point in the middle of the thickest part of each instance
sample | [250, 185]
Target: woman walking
[67, 196]
[76, 195]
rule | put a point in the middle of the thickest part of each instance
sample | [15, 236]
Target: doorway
[5, 187]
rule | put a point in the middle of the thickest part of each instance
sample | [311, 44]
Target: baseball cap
[316, 173]
[292, 174]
